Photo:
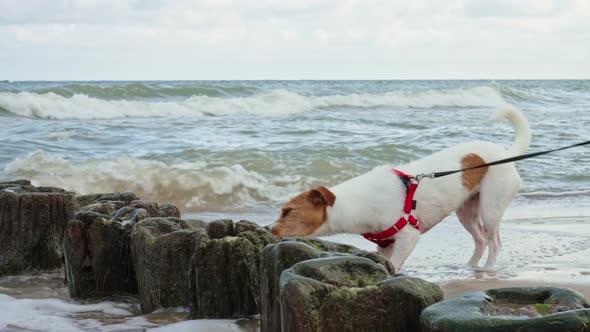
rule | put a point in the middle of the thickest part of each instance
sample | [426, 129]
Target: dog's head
[304, 214]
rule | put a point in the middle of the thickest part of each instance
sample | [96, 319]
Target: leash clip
[421, 176]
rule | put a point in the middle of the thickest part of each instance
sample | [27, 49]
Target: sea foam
[193, 186]
[203, 185]
[56, 315]
[273, 103]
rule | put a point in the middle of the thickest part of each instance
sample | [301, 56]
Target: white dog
[373, 202]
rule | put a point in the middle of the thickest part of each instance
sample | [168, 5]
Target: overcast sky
[293, 39]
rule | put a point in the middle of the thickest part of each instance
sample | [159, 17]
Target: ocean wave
[193, 186]
[273, 103]
[510, 93]
[201, 185]
[539, 195]
[147, 90]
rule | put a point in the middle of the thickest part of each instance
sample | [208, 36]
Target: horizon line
[294, 79]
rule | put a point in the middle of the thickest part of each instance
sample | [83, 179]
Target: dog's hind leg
[468, 214]
[496, 192]
[494, 245]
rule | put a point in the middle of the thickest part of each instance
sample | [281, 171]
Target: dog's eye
[285, 212]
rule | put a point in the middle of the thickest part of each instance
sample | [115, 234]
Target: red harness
[383, 239]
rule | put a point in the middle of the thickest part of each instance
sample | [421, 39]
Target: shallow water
[40, 302]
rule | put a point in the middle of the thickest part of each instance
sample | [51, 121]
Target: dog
[374, 201]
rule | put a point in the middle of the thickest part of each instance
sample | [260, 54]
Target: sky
[294, 39]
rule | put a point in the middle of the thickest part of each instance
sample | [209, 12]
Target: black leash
[498, 162]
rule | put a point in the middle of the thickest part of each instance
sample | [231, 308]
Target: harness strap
[383, 239]
[410, 203]
[406, 179]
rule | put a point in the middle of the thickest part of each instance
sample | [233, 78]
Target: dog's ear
[322, 196]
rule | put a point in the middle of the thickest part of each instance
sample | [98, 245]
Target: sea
[240, 149]
[244, 147]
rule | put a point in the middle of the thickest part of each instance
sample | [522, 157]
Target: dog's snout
[272, 229]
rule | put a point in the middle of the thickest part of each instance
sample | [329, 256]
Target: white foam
[51, 314]
[273, 103]
[193, 186]
[198, 186]
[137, 323]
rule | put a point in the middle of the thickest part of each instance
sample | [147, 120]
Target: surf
[277, 102]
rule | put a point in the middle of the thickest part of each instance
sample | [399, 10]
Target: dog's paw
[476, 268]
[485, 269]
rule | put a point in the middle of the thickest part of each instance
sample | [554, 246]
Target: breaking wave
[51, 105]
[192, 186]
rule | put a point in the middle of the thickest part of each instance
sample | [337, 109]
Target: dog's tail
[521, 126]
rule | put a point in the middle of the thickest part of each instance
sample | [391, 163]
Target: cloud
[521, 8]
[211, 39]
[67, 12]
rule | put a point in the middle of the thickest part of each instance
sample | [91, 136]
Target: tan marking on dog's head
[304, 214]
[472, 178]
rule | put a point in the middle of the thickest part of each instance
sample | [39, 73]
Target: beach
[239, 149]
[535, 253]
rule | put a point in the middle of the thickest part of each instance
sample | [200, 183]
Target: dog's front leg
[387, 251]
[405, 241]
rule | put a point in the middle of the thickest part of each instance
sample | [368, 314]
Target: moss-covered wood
[281, 256]
[124, 197]
[32, 222]
[349, 293]
[469, 311]
[161, 251]
[97, 244]
[224, 271]
[98, 260]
